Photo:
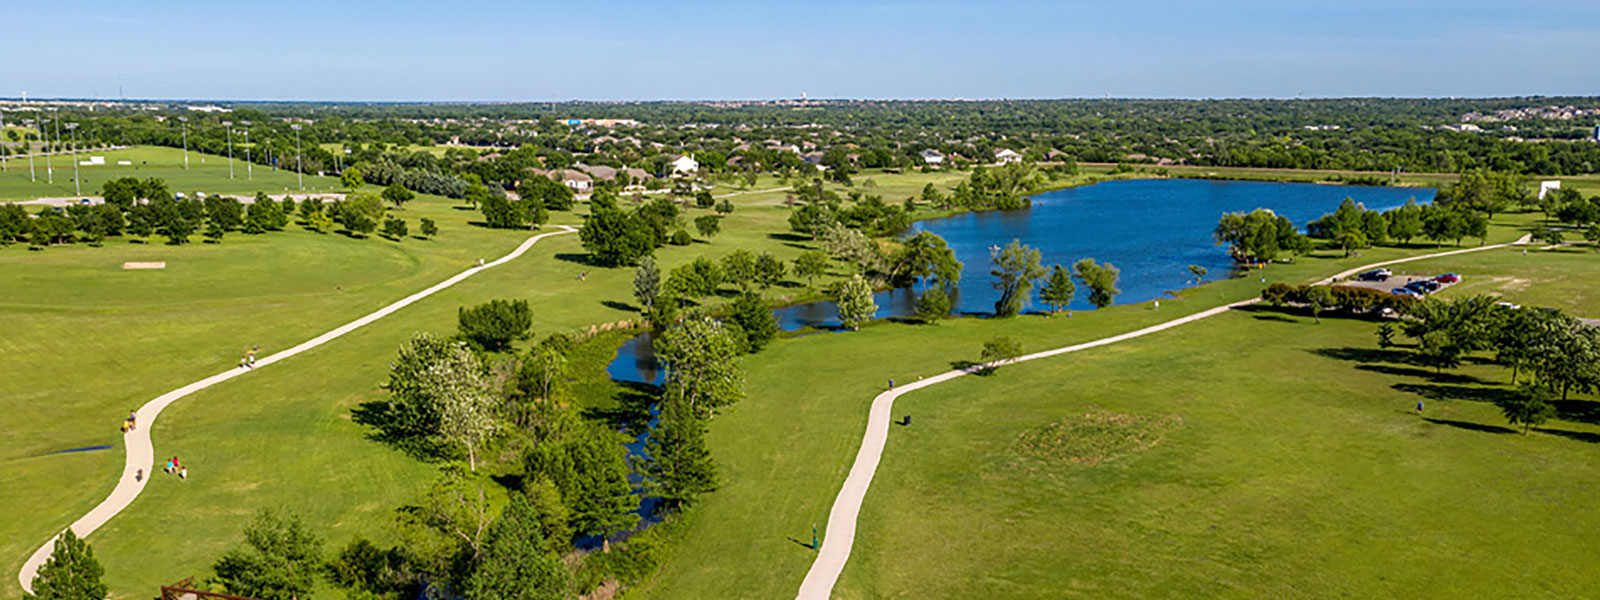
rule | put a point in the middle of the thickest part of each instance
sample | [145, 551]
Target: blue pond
[1150, 229]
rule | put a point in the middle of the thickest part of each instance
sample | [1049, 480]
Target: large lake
[1151, 230]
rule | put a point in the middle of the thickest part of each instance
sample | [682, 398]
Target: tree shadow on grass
[1424, 374]
[1578, 411]
[574, 257]
[1470, 426]
[622, 306]
[972, 367]
[789, 237]
[1457, 392]
[631, 406]
[1582, 436]
[1365, 355]
[388, 427]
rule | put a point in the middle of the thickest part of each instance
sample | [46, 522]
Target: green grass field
[1290, 465]
[206, 173]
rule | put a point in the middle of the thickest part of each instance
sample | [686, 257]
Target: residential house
[683, 164]
[932, 157]
[1007, 156]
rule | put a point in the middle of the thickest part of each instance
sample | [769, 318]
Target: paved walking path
[841, 532]
[140, 452]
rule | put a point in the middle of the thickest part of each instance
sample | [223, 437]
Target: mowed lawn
[1566, 278]
[206, 173]
[1290, 464]
[785, 450]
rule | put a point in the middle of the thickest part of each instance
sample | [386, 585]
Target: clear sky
[694, 49]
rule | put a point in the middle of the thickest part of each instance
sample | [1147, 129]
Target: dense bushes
[1350, 299]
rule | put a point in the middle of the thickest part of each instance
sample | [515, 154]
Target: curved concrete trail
[841, 531]
[140, 452]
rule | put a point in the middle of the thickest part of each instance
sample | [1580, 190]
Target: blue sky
[689, 49]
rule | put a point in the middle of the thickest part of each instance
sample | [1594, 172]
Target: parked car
[1448, 278]
[1425, 285]
[1509, 305]
[1400, 291]
[1375, 275]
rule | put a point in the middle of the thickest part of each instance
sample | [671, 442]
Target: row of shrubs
[1342, 297]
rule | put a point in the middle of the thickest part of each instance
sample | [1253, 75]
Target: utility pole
[77, 184]
[249, 166]
[229, 125]
[3, 151]
[186, 141]
[298, 172]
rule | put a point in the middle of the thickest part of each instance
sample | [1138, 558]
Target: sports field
[206, 173]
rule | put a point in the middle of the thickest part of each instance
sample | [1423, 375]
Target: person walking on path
[891, 383]
[1419, 407]
[133, 420]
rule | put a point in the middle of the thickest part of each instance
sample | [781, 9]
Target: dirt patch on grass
[1094, 438]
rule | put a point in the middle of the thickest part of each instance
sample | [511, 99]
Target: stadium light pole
[229, 125]
[77, 185]
[299, 172]
[249, 166]
[32, 178]
[185, 121]
[3, 151]
[49, 165]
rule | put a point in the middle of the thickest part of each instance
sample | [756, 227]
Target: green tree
[429, 228]
[466, 407]
[999, 351]
[588, 465]
[1016, 267]
[1058, 289]
[1405, 222]
[224, 212]
[646, 283]
[725, 207]
[279, 560]
[495, 324]
[708, 225]
[397, 195]
[933, 305]
[1101, 279]
[856, 304]
[611, 237]
[703, 199]
[71, 572]
[701, 360]
[1318, 298]
[1259, 236]
[739, 268]
[1592, 234]
[517, 562]
[810, 264]
[769, 270]
[546, 192]
[359, 213]
[351, 178]
[759, 325]
[681, 469]
[1198, 272]
[395, 228]
[1530, 406]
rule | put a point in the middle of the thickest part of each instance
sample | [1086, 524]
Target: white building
[1006, 156]
[684, 165]
[932, 157]
[1546, 187]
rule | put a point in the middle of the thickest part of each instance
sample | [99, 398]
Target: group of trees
[141, 209]
[1556, 354]
[1259, 236]
[1017, 268]
[615, 237]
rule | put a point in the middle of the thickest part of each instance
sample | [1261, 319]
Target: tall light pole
[299, 174]
[2, 139]
[185, 121]
[249, 165]
[49, 165]
[77, 185]
[32, 178]
[229, 125]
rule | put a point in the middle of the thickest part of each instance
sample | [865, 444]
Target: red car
[1448, 278]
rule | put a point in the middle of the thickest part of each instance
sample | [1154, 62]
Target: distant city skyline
[502, 51]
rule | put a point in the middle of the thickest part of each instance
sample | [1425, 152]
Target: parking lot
[1397, 280]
